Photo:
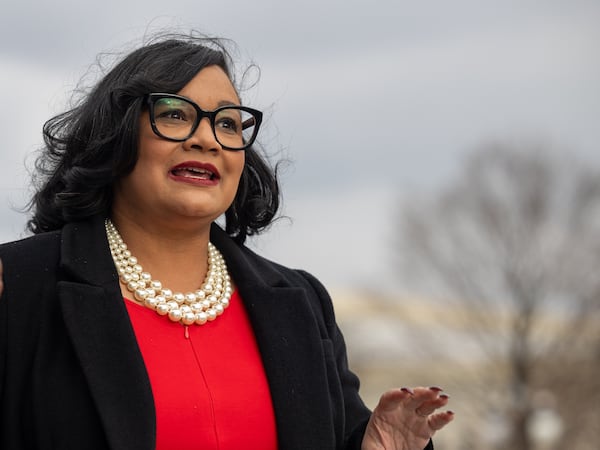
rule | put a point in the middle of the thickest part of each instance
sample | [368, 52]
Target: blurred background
[440, 177]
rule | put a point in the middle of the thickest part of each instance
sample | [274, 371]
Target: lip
[181, 177]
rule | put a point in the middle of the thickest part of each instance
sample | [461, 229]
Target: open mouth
[194, 173]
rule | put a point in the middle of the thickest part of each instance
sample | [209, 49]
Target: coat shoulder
[35, 254]
[280, 276]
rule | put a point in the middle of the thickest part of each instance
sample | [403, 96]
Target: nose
[203, 138]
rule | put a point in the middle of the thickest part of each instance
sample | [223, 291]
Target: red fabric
[210, 391]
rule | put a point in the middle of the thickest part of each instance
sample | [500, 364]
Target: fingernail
[409, 390]
[450, 412]
[444, 396]
[436, 389]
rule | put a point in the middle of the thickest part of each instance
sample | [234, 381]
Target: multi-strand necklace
[198, 307]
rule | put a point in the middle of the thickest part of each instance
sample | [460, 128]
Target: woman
[130, 320]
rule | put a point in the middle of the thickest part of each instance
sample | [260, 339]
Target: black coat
[72, 376]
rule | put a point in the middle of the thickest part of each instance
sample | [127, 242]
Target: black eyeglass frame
[201, 114]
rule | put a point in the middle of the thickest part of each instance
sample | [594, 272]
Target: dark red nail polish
[409, 390]
[436, 389]
[445, 396]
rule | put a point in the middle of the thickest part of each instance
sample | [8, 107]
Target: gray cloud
[363, 96]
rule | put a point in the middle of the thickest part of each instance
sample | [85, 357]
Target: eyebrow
[228, 103]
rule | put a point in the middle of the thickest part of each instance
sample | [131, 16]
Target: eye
[173, 111]
[229, 121]
[171, 114]
[227, 124]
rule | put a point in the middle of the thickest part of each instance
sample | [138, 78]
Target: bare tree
[514, 246]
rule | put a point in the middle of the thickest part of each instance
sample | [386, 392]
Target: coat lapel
[294, 363]
[104, 341]
[292, 352]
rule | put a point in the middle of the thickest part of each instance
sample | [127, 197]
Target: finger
[440, 420]
[429, 407]
[392, 398]
[423, 395]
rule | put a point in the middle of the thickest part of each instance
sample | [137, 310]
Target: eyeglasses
[176, 118]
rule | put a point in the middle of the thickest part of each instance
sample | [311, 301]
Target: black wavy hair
[88, 148]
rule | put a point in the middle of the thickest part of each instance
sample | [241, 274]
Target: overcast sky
[374, 102]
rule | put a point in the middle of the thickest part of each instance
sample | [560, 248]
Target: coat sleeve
[356, 413]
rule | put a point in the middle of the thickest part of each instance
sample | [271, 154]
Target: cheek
[237, 164]
[154, 157]
[236, 170]
[242, 163]
[141, 175]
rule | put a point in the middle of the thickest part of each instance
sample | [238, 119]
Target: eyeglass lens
[176, 118]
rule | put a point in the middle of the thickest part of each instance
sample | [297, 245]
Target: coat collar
[104, 340]
[284, 324]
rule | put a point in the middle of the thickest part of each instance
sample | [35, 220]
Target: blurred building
[414, 342]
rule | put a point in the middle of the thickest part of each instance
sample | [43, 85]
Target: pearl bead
[201, 318]
[179, 298]
[175, 315]
[172, 305]
[188, 318]
[162, 309]
[150, 302]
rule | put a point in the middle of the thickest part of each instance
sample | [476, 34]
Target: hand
[405, 419]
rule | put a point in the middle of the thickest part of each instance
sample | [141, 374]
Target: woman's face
[194, 179]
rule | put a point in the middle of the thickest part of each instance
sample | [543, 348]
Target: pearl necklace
[198, 307]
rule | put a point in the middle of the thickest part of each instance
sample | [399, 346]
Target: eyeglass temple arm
[248, 123]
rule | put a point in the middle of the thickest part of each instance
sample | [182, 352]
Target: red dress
[210, 389]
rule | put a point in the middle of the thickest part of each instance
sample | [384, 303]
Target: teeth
[197, 170]
[194, 172]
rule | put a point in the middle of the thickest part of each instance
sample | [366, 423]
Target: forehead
[210, 87]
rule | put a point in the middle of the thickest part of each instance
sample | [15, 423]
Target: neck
[174, 254]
